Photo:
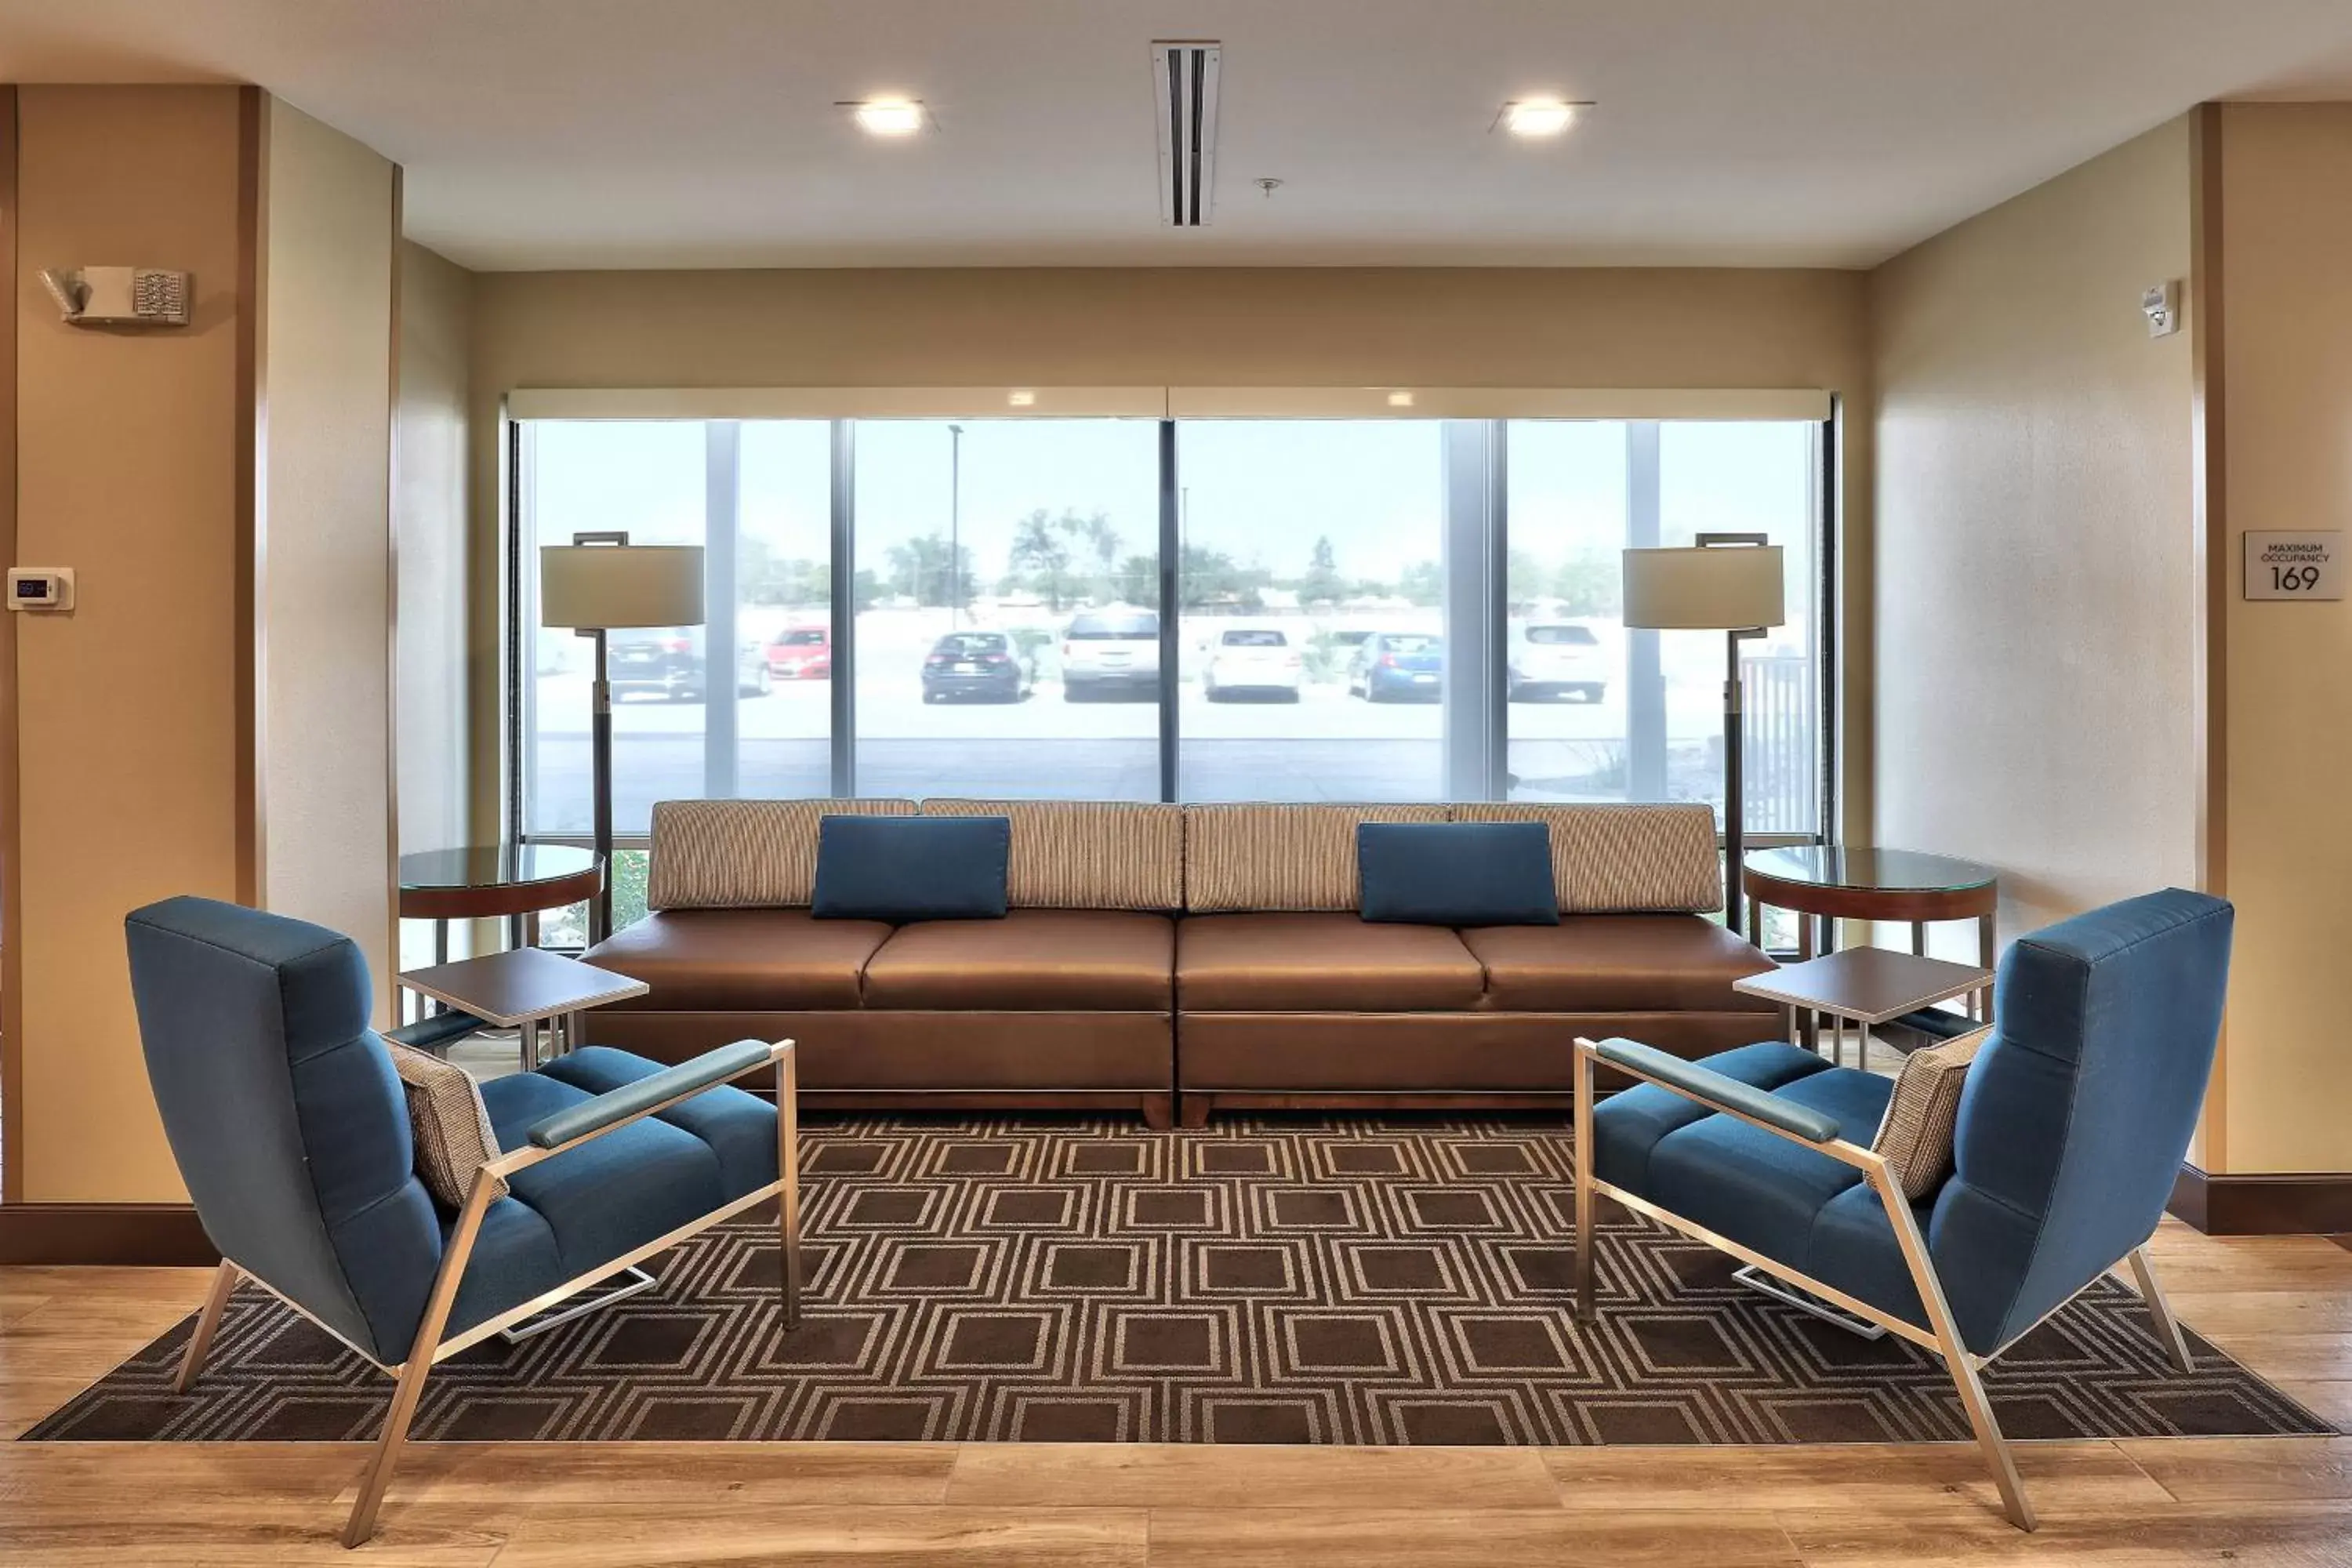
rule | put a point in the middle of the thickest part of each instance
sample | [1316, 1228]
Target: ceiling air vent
[1184, 79]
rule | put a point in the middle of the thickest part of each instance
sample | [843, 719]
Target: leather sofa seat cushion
[705, 960]
[1617, 963]
[1321, 962]
[1032, 959]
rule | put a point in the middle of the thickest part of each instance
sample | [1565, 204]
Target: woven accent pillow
[1280, 856]
[743, 854]
[449, 1123]
[1086, 853]
[1622, 859]
[1915, 1136]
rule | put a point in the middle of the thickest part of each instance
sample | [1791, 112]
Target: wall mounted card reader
[40, 587]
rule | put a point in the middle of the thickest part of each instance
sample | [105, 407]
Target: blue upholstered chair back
[288, 1124]
[2079, 1110]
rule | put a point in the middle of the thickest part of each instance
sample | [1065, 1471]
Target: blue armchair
[2073, 1124]
[291, 1131]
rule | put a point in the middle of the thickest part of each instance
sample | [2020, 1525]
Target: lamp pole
[600, 749]
[955, 526]
[1735, 805]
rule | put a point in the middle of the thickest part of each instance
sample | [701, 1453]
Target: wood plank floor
[2282, 1305]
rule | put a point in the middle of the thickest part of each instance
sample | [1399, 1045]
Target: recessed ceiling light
[1400, 400]
[1023, 399]
[889, 116]
[1538, 116]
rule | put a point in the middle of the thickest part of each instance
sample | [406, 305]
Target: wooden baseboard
[2319, 1205]
[155, 1235]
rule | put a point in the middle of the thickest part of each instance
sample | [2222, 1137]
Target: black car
[666, 662]
[974, 663]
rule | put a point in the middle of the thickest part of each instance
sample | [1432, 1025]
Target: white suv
[1556, 658]
[1252, 658]
[1111, 650]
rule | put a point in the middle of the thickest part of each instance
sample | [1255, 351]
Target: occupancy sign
[2295, 565]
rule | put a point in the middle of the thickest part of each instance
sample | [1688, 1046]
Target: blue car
[1397, 667]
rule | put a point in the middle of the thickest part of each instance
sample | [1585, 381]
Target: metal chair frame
[1941, 1337]
[430, 1347]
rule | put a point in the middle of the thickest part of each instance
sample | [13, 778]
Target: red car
[801, 653]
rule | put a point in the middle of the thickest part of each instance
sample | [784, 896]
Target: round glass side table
[487, 881]
[1822, 883]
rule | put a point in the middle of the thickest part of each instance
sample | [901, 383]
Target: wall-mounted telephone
[119, 296]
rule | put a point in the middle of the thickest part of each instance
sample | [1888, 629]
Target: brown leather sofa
[1153, 955]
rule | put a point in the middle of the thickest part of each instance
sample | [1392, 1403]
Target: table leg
[527, 1038]
[426, 1006]
[1808, 1029]
[1919, 937]
[1980, 1001]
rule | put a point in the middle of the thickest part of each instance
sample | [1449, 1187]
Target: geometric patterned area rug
[1305, 1280]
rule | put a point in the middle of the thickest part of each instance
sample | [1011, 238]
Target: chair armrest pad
[1708, 1086]
[431, 1034]
[707, 1070]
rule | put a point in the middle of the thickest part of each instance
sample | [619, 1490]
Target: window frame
[1474, 530]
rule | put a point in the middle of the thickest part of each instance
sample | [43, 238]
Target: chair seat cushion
[1756, 1187]
[613, 1193]
[1617, 963]
[1332, 963]
[1628, 1126]
[743, 960]
[740, 1127]
[1031, 960]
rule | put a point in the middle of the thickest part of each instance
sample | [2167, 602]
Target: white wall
[325, 534]
[429, 517]
[2035, 546]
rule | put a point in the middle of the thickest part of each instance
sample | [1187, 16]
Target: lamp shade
[603, 586]
[1713, 588]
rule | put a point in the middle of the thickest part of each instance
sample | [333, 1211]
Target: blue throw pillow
[901, 869]
[1456, 873]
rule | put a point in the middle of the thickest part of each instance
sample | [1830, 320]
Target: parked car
[666, 661]
[1397, 667]
[1258, 659]
[974, 663]
[1555, 658]
[801, 653]
[1111, 652]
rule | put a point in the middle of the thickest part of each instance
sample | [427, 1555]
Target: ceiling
[547, 133]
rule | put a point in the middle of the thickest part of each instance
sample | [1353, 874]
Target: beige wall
[128, 708]
[326, 536]
[2035, 574]
[1142, 327]
[2286, 266]
[437, 313]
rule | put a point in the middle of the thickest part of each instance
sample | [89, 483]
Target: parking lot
[1325, 746]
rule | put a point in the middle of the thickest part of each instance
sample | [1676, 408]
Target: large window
[1312, 633]
[1008, 629]
[1363, 609]
[1598, 712]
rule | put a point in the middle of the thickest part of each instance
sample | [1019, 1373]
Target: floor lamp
[598, 583]
[1727, 583]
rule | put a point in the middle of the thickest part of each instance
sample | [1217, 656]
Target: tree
[1099, 535]
[1137, 582]
[1589, 582]
[765, 578]
[920, 570]
[1322, 585]
[1041, 549]
[1422, 583]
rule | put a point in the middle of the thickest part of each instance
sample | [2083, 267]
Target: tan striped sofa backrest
[1278, 858]
[1086, 853]
[743, 854]
[1622, 859]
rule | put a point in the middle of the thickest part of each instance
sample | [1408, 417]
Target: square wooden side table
[524, 988]
[1862, 986]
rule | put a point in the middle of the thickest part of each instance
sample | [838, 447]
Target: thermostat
[40, 587]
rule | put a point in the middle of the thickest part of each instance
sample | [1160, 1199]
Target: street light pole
[955, 526]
